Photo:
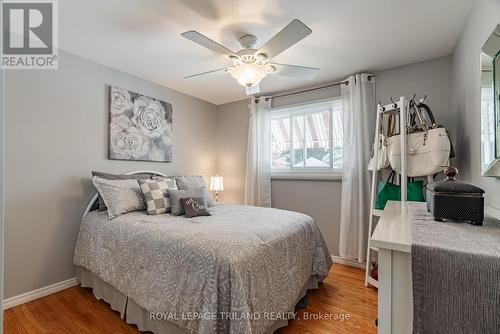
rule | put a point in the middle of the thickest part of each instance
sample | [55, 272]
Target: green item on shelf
[415, 191]
[388, 191]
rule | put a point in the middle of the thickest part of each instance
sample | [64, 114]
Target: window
[307, 138]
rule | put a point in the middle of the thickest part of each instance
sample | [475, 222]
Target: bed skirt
[136, 315]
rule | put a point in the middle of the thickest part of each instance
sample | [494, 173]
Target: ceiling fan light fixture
[249, 75]
[262, 57]
[251, 65]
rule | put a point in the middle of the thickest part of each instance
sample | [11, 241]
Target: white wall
[466, 98]
[56, 134]
[321, 199]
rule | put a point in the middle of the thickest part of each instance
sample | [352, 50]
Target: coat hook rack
[380, 104]
[394, 105]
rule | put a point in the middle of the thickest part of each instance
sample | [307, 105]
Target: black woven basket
[455, 200]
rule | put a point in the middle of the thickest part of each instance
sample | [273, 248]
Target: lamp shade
[217, 183]
[250, 75]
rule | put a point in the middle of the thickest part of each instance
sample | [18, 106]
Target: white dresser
[393, 240]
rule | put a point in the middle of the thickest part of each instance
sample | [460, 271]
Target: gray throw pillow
[176, 195]
[156, 195]
[109, 176]
[194, 182]
[120, 196]
[194, 207]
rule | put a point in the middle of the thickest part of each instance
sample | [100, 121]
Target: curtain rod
[315, 88]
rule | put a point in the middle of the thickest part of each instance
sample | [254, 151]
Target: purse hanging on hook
[429, 146]
[383, 160]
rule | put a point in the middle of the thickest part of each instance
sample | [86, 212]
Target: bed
[240, 270]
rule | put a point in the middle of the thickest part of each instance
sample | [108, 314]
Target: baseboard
[38, 293]
[492, 212]
[338, 259]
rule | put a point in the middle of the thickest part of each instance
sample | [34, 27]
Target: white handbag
[382, 161]
[428, 149]
[383, 158]
[428, 152]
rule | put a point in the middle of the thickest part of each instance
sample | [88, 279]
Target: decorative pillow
[108, 176]
[194, 182]
[176, 195]
[156, 195]
[120, 196]
[194, 207]
[170, 180]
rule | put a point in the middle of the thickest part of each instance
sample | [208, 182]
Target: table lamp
[217, 184]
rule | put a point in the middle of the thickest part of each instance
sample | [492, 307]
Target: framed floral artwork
[140, 127]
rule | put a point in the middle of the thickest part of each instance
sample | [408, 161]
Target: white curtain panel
[359, 111]
[258, 172]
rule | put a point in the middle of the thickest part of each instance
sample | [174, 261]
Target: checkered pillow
[156, 195]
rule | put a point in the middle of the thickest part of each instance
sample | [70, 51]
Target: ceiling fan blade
[288, 36]
[203, 40]
[302, 72]
[213, 72]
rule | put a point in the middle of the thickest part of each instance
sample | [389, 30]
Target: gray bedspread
[456, 275]
[232, 272]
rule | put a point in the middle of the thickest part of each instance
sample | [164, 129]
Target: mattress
[236, 271]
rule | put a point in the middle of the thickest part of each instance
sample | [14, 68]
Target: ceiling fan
[251, 65]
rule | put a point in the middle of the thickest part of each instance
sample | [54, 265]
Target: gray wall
[232, 134]
[466, 99]
[56, 134]
[431, 78]
[321, 198]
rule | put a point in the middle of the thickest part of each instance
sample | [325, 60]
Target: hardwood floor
[75, 310]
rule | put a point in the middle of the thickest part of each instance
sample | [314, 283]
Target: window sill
[307, 176]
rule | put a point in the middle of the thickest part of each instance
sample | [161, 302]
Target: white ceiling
[142, 37]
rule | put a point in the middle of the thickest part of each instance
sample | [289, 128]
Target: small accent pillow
[176, 195]
[194, 182]
[194, 207]
[109, 176]
[120, 196]
[156, 195]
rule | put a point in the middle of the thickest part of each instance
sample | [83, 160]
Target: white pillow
[194, 182]
[120, 196]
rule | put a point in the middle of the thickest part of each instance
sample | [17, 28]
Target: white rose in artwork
[121, 122]
[120, 101]
[149, 117]
[127, 142]
[140, 104]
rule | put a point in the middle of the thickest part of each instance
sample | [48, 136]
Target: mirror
[490, 105]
